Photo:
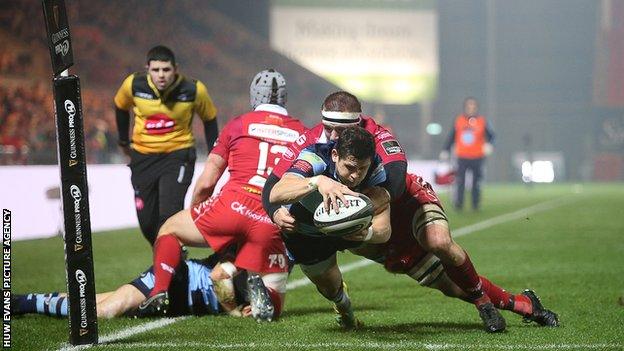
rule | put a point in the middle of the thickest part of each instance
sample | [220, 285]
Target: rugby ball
[348, 219]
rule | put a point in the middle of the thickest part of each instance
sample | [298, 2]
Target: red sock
[276, 298]
[500, 298]
[522, 305]
[166, 260]
[466, 277]
[519, 304]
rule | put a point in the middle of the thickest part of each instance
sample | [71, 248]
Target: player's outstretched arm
[292, 188]
[213, 169]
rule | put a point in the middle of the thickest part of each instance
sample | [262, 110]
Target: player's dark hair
[161, 53]
[341, 101]
[356, 142]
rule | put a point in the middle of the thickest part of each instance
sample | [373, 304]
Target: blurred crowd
[110, 40]
[27, 135]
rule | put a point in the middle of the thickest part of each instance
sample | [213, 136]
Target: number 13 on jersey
[269, 155]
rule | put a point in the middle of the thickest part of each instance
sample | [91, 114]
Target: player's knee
[223, 270]
[276, 281]
[169, 227]
[436, 239]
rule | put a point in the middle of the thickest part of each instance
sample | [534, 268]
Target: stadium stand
[210, 47]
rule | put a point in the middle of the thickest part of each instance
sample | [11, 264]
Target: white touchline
[490, 222]
[409, 345]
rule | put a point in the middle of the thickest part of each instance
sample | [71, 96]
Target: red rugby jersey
[387, 146]
[252, 144]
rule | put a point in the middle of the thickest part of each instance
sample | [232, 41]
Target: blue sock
[50, 304]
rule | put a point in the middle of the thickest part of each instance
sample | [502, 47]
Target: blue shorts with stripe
[200, 295]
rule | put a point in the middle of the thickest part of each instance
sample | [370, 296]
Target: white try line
[490, 222]
[407, 345]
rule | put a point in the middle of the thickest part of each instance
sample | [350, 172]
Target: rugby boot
[540, 315]
[262, 308]
[492, 319]
[154, 306]
[344, 314]
[346, 319]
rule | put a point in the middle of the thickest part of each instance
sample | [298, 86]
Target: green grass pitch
[571, 251]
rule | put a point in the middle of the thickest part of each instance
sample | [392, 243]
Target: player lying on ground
[201, 287]
[250, 146]
[326, 173]
[419, 243]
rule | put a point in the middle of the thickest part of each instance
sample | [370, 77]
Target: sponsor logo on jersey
[392, 147]
[244, 211]
[159, 123]
[144, 95]
[288, 155]
[303, 166]
[384, 135]
[272, 132]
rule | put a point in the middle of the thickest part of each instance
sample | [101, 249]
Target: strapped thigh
[427, 270]
[426, 215]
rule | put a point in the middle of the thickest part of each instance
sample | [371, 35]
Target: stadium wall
[32, 194]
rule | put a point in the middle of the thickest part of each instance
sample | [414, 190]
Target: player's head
[471, 106]
[161, 66]
[340, 110]
[353, 154]
[267, 87]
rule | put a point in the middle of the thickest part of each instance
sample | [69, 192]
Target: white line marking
[542, 206]
[362, 345]
[490, 222]
[126, 333]
[142, 328]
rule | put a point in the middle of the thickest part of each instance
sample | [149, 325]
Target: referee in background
[162, 148]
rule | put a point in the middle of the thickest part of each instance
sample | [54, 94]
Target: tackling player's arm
[394, 161]
[278, 214]
[395, 178]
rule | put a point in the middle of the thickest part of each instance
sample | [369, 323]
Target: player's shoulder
[377, 130]
[313, 158]
[139, 86]
[311, 136]
[322, 150]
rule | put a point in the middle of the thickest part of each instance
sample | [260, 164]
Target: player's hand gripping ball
[348, 220]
